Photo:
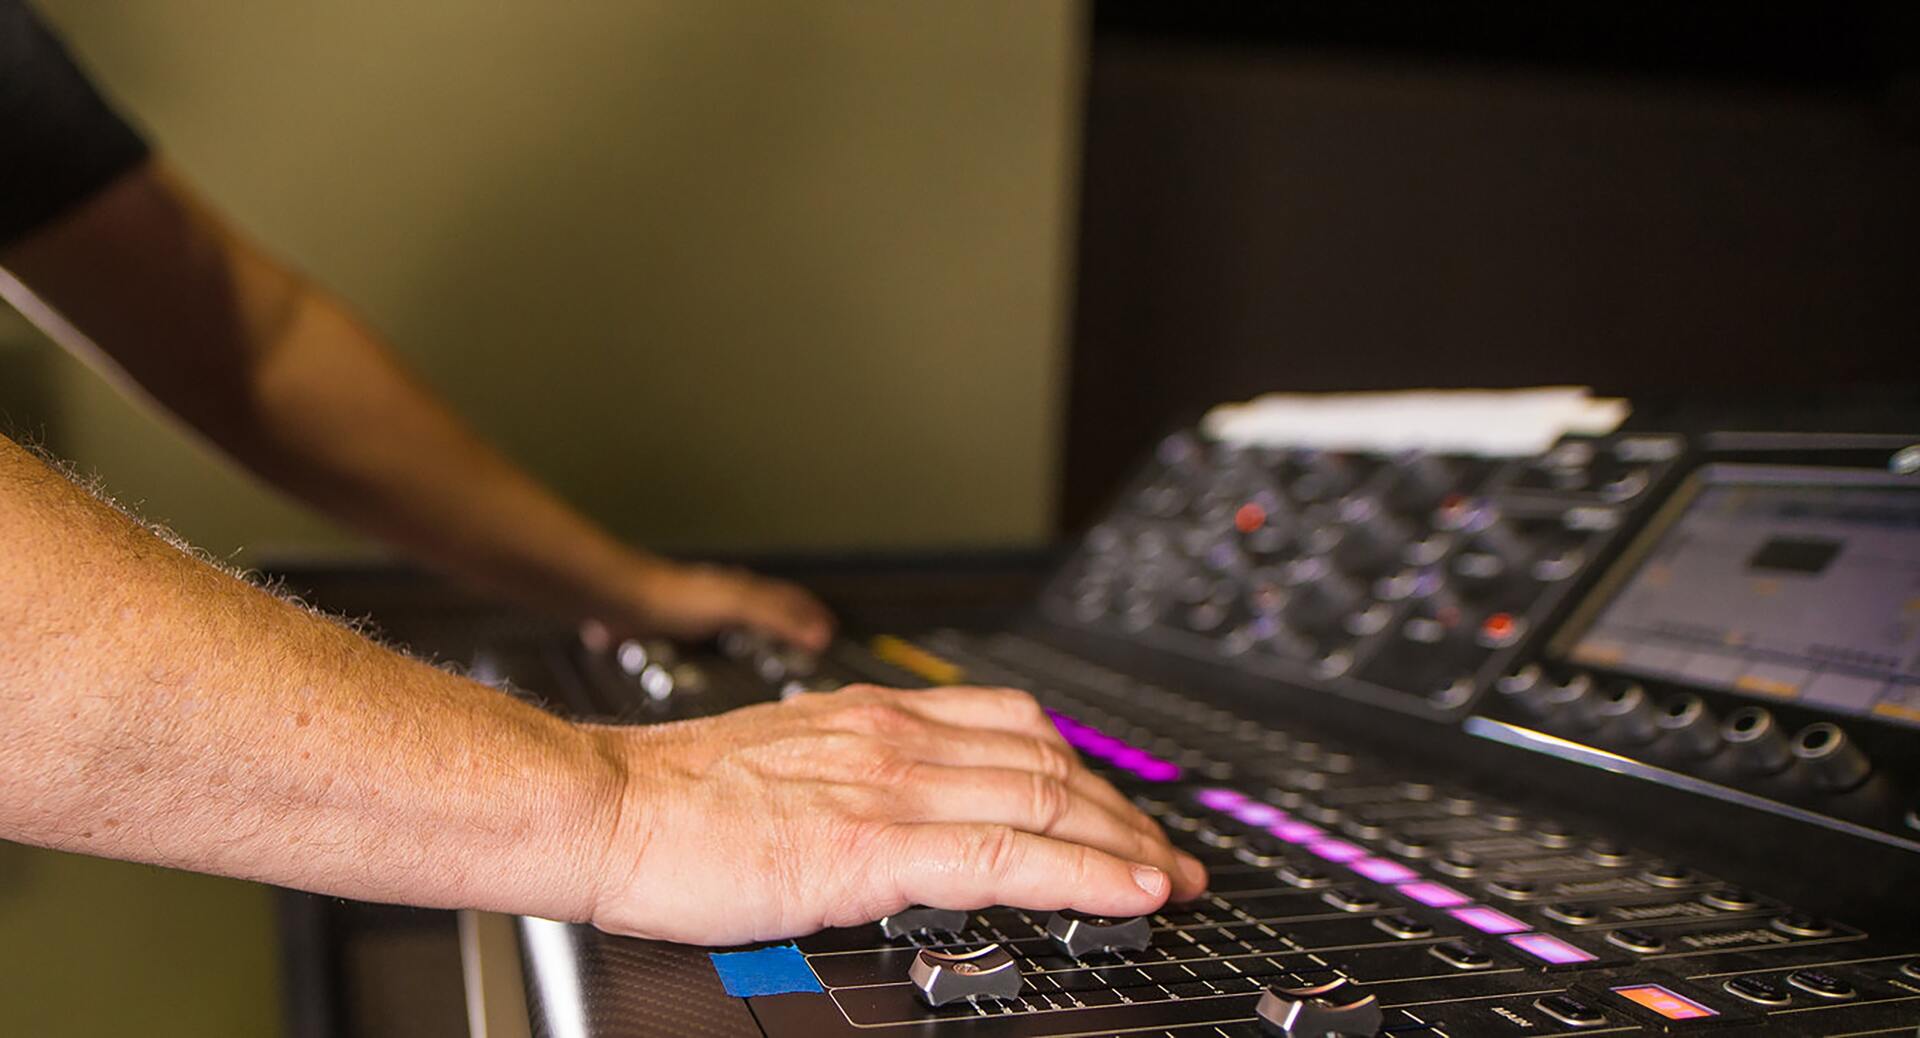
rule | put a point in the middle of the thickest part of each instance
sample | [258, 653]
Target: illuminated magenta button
[1130, 758]
[1297, 832]
[1336, 850]
[1157, 770]
[1254, 812]
[1380, 870]
[1434, 895]
[1550, 949]
[1220, 799]
[1487, 920]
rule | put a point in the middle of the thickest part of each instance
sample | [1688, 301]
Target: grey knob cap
[943, 977]
[1833, 761]
[920, 919]
[1336, 1009]
[1079, 935]
[1625, 713]
[1755, 740]
[1689, 726]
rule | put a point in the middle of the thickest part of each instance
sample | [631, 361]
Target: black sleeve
[59, 140]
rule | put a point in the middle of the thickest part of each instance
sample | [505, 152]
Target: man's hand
[691, 601]
[837, 809]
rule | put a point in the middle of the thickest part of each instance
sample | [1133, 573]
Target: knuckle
[877, 716]
[990, 850]
[1050, 800]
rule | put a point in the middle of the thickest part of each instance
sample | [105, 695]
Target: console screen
[1777, 590]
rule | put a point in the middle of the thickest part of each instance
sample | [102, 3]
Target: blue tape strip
[780, 970]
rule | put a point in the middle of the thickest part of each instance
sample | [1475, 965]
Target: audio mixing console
[1619, 739]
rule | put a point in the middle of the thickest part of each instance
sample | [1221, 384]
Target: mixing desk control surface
[1469, 747]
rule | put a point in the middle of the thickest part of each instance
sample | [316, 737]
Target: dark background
[1710, 208]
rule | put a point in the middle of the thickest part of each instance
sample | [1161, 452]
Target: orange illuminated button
[1249, 517]
[1499, 630]
[1670, 1004]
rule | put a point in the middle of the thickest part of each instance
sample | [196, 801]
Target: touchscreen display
[1793, 591]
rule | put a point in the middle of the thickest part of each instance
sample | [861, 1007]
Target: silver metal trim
[1579, 753]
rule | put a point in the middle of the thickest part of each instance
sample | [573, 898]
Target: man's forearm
[276, 372]
[160, 710]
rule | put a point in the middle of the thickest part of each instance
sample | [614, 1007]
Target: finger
[1000, 709]
[786, 613]
[947, 745]
[963, 866]
[1033, 803]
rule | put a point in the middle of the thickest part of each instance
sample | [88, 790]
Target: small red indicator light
[1249, 518]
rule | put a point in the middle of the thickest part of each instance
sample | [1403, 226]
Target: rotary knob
[1624, 712]
[1319, 476]
[1318, 597]
[1494, 555]
[1335, 1009]
[1420, 483]
[943, 977]
[1755, 740]
[1833, 761]
[921, 919]
[1689, 726]
[1370, 541]
[1079, 935]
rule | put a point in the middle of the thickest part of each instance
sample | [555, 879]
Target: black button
[1554, 834]
[1800, 924]
[1571, 914]
[1514, 889]
[1731, 899]
[1403, 926]
[1216, 836]
[1458, 864]
[1325, 814]
[1667, 874]
[1365, 825]
[1347, 899]
[1408, 845]
[1636, 940]
[1306, 877]
[1821, 983]
[1262, 849]
[1759, 989]
[1461, 955]
[1570, 1011]
[1606, 852]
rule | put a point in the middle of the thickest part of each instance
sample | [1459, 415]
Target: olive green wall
[738, 274]
[729, 274]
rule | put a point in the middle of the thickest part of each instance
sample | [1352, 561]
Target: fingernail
[1150, 879]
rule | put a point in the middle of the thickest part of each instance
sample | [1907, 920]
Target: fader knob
[943, 977]
[921, 919]
[1756, 742]
[1079, 935]
[1336, 1009]
[1318, 597]
[1833, 761]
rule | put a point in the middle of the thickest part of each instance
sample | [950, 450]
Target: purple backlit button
[1255, 813]
[1220, 799]
[1434, 895]
[1550, 949]
[1380, 870]
[1488, 920]
[1156, 770]
[1336, 851]
[1297, 832]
